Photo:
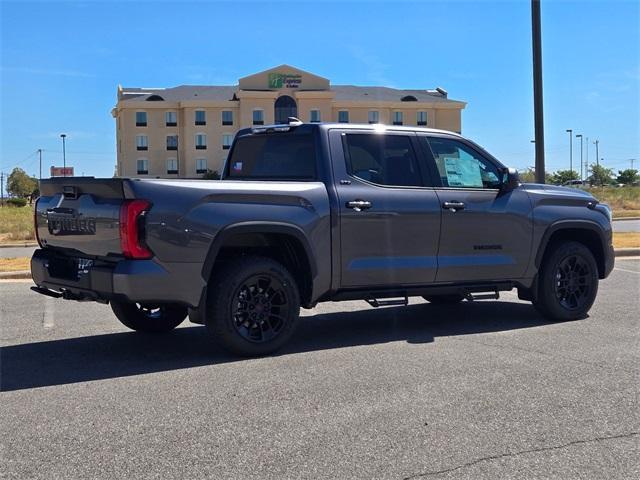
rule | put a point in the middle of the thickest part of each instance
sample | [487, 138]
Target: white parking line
[625, 270]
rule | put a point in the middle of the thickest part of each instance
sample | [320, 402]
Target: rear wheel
[253, 306]
[149, 318]
[450, 299]
[567, 282]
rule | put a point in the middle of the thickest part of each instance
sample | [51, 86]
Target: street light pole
[580, 137]
[40, 161]
[536, 34]
[597, 154]
[570, 132]
[586, 160]
[64, 155]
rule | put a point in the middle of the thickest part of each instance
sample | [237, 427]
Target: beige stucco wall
[156, 132]
[313, 92]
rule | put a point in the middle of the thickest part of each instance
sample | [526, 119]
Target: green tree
[529, 176]
[211, 175]
[628, 176]
[601, 175]
[19, 184]
[563, 176]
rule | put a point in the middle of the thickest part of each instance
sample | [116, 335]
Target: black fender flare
[257, 227]
[565, 225]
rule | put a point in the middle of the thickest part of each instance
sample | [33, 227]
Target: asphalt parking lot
[483, 390]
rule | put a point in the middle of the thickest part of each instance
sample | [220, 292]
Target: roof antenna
[294, 121]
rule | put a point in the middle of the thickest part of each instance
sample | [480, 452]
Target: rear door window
[279, 156]
[382, 159]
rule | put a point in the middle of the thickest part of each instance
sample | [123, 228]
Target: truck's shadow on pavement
[122, 354]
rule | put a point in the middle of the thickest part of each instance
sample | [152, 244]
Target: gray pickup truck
[309, 213]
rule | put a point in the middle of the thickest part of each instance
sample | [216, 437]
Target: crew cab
[309, 213]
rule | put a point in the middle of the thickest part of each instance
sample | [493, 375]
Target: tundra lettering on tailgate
[66, 225]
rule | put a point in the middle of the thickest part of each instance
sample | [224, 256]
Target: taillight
[131, 244]
[35, 222]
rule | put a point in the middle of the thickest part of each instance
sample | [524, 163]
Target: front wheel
[253, 306]
[567, 282]
[149, 318]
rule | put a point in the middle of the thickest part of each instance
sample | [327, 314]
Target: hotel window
[343, 116]
[142, 142]
[172, 166]
[201, 165]
[171, 119]
[201, 117]
[142, 165]
[314, 116]
[172, 142]
[258, 117]
[227, 117]
[374, 116]
[227, 140]
[141, 119]
[201, 141]
[421, 118]
[397, 118]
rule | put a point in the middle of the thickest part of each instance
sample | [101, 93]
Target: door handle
[453, 206]
[359, 205]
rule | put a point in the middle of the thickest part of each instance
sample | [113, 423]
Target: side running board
[375, 303]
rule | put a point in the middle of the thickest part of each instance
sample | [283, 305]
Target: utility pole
[40, 161]
[570, 132]
[580, 137]
[1, 189]
[632, 160]
[536, 34]
[597, 154]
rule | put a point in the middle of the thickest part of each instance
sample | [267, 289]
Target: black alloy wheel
[259, 310]
[567, 282]
[573, 282]
[149, 318]
[253, 305]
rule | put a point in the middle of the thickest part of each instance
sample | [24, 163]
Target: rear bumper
[143, 281]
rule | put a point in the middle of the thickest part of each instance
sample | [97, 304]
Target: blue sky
[62, 61]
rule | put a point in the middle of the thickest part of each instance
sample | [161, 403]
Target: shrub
[211, 175]
[16, 202]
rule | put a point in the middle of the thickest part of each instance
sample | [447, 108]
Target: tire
[567, 282]
[450, 299]
[253, 306]
[149, 318]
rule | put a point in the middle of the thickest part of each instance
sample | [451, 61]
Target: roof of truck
[348, 126]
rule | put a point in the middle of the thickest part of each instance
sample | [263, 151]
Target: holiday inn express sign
[284, 80]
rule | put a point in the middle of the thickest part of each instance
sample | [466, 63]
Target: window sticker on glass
[463, 173]
[237, 166]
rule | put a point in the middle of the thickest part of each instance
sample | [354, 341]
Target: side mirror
[510, 179]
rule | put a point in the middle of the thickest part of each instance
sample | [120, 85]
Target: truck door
[389, 219]
[485, 234]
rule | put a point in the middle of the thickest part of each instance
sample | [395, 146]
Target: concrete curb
[627, 252]
[622, 219]
[20, 274]
[621, 252]
[18, 245]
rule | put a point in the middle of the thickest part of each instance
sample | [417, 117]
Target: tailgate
[81, 214]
